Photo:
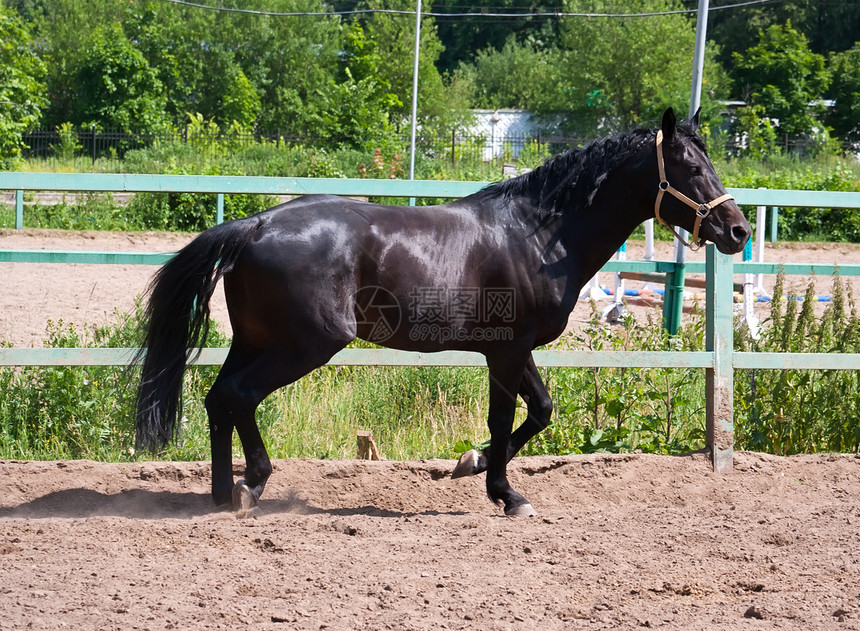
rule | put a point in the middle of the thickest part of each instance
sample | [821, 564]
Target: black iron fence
[94, 143]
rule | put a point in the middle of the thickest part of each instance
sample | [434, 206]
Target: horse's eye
[695, 171]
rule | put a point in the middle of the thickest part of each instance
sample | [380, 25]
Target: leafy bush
[22, 87]
[76, 412]
[826, 173]
[82, 212]
[658, 410]
[85, 412]
[801, 411]
[191, 212]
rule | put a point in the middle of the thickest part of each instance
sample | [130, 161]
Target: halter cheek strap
[702, 210]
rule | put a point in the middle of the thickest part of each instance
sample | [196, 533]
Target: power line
[481, 14]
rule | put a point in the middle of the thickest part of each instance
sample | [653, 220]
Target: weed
[421, 412]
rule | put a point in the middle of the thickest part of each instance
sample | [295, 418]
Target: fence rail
[719, 360]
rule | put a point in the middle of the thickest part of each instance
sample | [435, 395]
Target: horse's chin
[726, 246]
[732, 248]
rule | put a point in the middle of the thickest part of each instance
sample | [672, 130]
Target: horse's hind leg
[232, 402]
[539, 405]
[221, 430]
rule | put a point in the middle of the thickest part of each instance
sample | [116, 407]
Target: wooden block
[367, 449]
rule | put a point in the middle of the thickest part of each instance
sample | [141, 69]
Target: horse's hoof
[467, 465]
[523, 510]
[243, 499]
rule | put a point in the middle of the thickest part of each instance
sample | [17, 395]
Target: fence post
[453, 148]
[774, 220]
[219, 208]
[94, 143]
[673, 298]
[19, 210]
[750, 318]
[719, 380]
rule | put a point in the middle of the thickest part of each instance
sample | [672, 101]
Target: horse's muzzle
[734, 235]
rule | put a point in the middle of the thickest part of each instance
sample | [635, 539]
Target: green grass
[412, 412]
[428, 412]
[77, 412]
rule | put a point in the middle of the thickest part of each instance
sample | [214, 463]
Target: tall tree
[216, 63]
[116, 87]
[290, 60]
[602, 71]
[783, 76]
[462, 36]
[628, 69]
[394, 38]
[357, 108]
[22, 88]
[522, 74]
[844, 116]
[828, 26]
[64, 31]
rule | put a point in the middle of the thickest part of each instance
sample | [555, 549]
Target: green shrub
[85, 412]
[801, 411]
[76, 412]
[191, 212]
[624, 409]
[824, 173]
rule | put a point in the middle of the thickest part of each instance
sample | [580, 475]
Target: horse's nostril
[740, 233]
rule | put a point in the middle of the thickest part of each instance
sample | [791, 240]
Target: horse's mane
[569, 182]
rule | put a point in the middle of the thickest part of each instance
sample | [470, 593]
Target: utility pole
[673, 299]
[414, 96]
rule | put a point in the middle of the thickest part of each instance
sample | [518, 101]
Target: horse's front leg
[505, 378]
[539, 405]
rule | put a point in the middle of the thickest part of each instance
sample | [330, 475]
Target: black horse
[497, 272]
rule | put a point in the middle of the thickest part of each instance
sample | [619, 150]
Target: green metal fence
[719, 360]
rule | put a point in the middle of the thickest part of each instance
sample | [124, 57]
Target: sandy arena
[620, 542]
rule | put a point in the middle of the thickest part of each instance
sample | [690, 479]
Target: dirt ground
[620, 542]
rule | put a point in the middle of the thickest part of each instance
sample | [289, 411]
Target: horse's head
[690, 194]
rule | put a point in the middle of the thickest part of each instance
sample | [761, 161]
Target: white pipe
[761, 214]
[695, 99]
[699, 57]
[649, 240]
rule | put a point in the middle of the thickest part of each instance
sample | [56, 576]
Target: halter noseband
[702, 210]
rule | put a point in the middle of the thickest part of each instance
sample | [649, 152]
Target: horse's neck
[593, 234]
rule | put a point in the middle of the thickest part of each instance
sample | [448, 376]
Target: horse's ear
[668, 125]
[694, 122]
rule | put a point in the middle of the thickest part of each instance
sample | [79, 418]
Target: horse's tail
[177, 321]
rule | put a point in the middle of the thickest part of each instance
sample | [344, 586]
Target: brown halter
[702, 210]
